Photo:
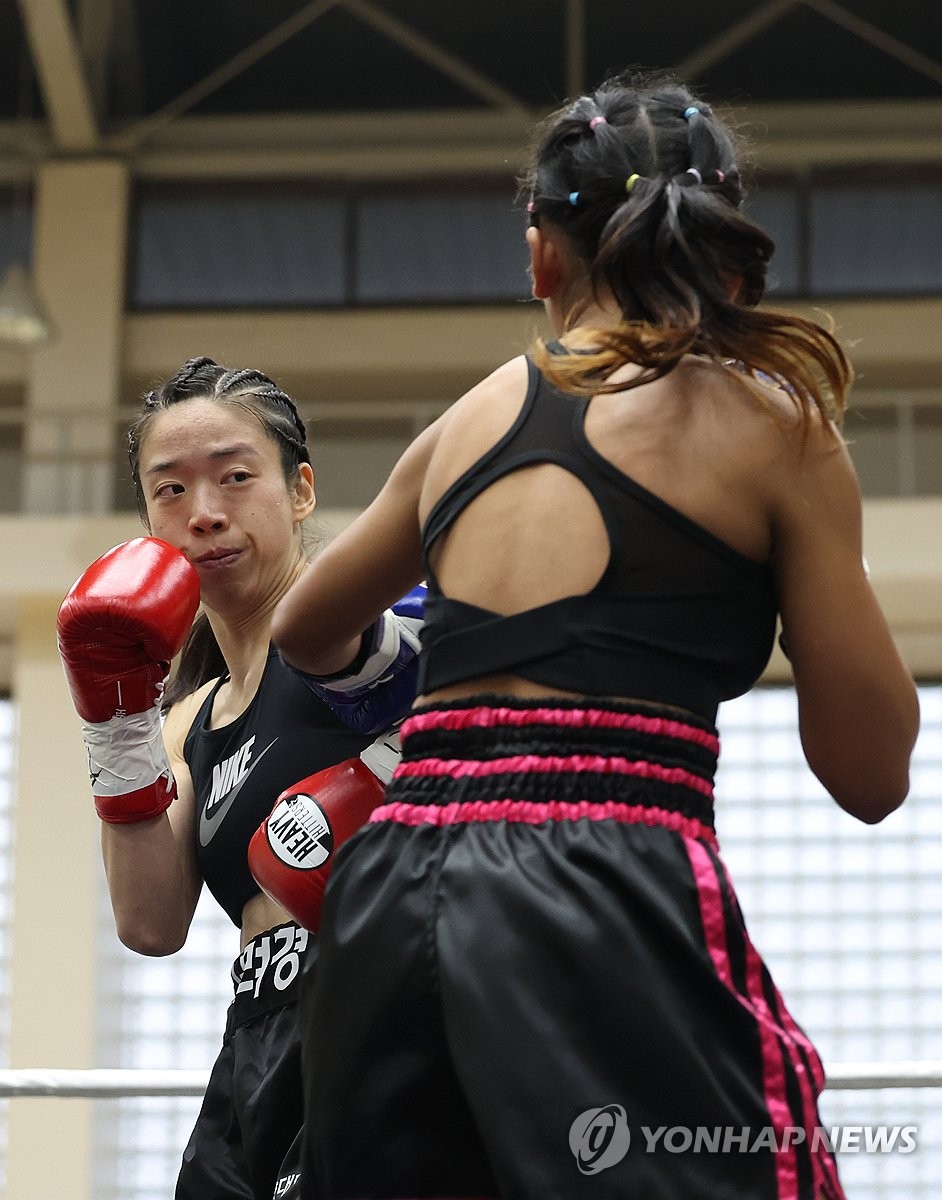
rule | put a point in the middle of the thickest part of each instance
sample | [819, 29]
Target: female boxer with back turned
[533, 951]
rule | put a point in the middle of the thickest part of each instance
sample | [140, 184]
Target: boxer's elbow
[869, 791]
[152, 938]
[872, 806]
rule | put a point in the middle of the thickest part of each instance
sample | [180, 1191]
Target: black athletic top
[678, 617]
[239, 771]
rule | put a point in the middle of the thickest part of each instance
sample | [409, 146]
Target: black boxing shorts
[534, 980]
[251, 1116]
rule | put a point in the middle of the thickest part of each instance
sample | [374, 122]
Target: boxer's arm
[118, 628]
[153, 878]
[858, 711]
[377, 689]
[378, 558]
[365, 570]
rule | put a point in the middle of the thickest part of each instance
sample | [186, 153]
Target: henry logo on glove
[299, 833]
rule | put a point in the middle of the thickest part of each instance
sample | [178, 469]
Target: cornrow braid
[251, 382]
[205, 378]
[191, 378]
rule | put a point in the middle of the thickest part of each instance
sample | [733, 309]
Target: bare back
[697, 439]
[742, 467]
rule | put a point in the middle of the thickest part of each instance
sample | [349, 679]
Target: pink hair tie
[597, 121]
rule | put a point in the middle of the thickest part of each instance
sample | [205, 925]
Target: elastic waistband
[266, 974]
[499, 758]
[490, 712]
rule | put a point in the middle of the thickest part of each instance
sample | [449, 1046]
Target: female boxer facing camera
[537, 927]
[224, 483]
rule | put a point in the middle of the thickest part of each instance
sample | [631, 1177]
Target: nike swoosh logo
[210, 822]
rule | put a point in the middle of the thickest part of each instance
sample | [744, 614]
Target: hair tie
[531, 207]
[690, 112]
[630, 182]
[597, 121]
[695, 173]
[573, 198]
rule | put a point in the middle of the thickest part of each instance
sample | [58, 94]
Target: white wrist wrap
[125, 754]
[410, 631]
[382, 756]
[391, 631]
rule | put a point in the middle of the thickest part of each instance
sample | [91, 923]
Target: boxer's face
[215, 488]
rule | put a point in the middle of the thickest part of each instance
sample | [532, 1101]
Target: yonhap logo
[599, 1138]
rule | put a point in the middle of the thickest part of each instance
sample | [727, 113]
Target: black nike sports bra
[679, 617]
[239, 770]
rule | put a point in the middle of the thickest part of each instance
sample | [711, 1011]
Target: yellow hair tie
[630, 182]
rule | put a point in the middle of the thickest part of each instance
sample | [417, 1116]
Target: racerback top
[678, 617]
[240, 769]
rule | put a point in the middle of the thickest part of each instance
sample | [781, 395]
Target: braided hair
[644, 180]
[203, 378]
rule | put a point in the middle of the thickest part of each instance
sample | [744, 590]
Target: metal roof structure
[139, 78]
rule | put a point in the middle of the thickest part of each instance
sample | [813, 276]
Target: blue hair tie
[690, 112]
[573, 198]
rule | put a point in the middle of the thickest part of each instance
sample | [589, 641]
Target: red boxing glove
[292, 851]
[118, 628]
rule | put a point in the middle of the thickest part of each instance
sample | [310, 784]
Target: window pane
[844, 914]
[11, 463]
[927, 442]
[440, 248]
[161, 1014]
[777, 211]
[873, 439]
[218, 249]
[16, 232]
[867, 239]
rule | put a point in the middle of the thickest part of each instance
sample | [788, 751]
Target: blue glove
[378, 687]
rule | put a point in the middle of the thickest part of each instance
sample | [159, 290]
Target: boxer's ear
[545, 263]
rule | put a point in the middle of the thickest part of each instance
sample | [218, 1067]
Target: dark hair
[645, 181]
[203, 378]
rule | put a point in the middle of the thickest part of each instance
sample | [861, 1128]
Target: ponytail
[644, 181]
